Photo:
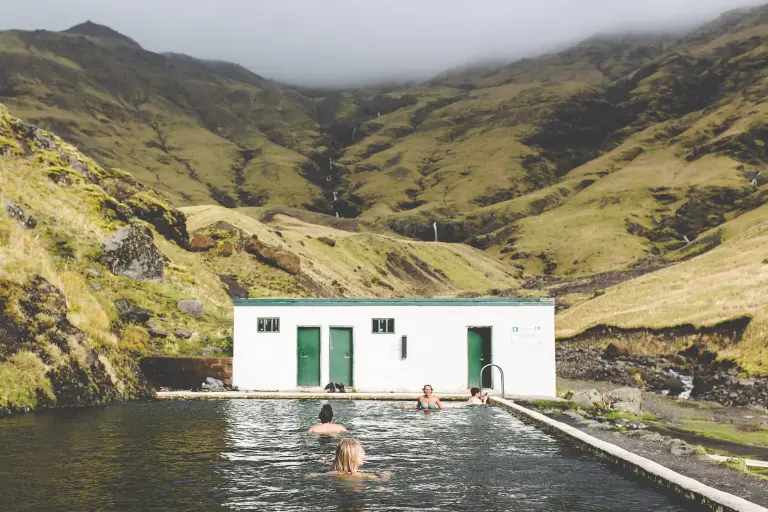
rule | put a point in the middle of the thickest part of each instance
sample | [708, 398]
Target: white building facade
[395, 345]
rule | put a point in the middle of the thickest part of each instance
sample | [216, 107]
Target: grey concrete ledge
[688, 488]
[304, 395]
[311, 395]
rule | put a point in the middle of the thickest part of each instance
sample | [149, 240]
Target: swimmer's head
[427, 390]
[349, 456]
[474, 391]
[326, 414]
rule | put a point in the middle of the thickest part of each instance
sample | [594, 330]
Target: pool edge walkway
[190, 395]
[687, 487]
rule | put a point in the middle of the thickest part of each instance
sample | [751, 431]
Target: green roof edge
[488, 301]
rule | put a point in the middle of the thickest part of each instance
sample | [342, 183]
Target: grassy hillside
[618, 175]
[337, 262]
[726, 283]
[610, 153]
[65, 338]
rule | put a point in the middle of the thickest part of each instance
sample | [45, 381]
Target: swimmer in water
[475, 398]
[326, 426]
[349, 458]
[428, 400]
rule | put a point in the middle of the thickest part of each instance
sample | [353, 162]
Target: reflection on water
[254, 455]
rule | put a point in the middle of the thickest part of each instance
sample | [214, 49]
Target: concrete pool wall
[690, 489]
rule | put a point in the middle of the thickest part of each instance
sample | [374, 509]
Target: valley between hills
[142, 192]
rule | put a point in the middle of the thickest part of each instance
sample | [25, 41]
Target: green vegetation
[615, 175]
[619, 415]
[561, 405]
[739, 464]
[744, 433]
[20, 379]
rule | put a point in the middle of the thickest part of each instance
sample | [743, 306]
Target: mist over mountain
[350, 43]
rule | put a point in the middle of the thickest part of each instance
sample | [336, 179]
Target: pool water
[208, 455]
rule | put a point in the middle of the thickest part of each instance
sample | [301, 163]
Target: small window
[383, 325]
[268, 325]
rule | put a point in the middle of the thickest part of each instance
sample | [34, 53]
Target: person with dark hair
[428, 400]
[326, 426]
[476, 399]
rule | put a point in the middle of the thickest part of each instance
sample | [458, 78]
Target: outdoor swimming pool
[254, 454]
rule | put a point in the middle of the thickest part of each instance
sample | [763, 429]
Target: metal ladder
[502, 377]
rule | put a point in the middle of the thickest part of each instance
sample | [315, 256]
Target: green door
[341, 355]
[478, 355]
[308, 356]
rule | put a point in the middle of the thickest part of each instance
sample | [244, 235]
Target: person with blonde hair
[349, 458]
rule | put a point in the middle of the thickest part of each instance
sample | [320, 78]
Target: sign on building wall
[525, 334]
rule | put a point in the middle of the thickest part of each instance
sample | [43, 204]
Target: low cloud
[353, 42]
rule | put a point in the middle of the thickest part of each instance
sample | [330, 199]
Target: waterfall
[335, 196]
[353, 133]
[337, 214]
[686, 380]
[434, 225]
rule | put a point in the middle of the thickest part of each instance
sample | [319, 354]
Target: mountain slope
[619, 175]
[586, 173]
[725, 284]
[74, 319]
[198, 131]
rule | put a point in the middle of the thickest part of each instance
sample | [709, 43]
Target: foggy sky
[351, 42]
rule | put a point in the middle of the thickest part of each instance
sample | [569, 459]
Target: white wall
[437, 346]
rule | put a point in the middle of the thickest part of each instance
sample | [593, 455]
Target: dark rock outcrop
[169, 222]
[184, 333]
[201, 243]
[156, 331]
[16, 211]
[327, 241]
[613, 350]
[132, 253]
[191, 307]
[130, 313]
[234, 289]
[712, 380]
[33, 319]
[274, 256]
[226, 249]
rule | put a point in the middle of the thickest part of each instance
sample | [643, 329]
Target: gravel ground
[658, 448]
[671, 412]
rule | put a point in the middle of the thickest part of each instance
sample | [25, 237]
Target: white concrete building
[383, 345]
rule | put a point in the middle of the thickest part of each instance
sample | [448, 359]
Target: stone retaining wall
[186, 372]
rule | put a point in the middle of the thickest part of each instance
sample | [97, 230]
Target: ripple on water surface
[255, 454]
